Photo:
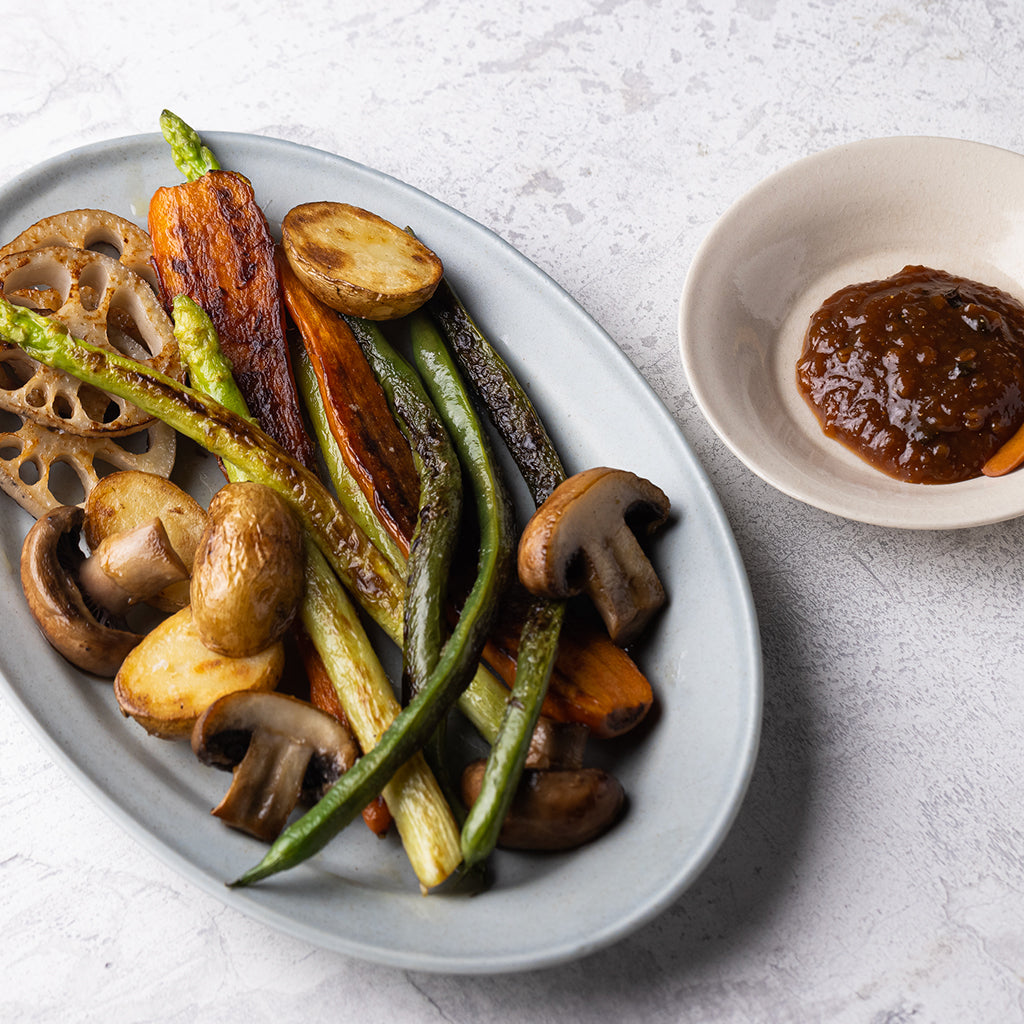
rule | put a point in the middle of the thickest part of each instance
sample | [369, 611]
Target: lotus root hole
[10, 422]
[47, 277]
[64, 483]
[128, 328]
[97, 405]
[29, 472]
[16, 372]
[93, 281]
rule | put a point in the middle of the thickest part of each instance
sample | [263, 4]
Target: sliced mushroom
[121, 501]
[282, 750]
[50, 560]
[581, 540]
[133, 566]
[554, 809]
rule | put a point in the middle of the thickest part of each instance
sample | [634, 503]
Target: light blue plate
[685, 772]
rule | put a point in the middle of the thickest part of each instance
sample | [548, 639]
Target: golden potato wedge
[169, 679]
[359, 263]
[129, 498]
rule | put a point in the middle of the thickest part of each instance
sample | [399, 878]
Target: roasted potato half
[359, 263]
[169, 679]
[247, 577]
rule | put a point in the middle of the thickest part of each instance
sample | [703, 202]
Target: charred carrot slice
[594, 682]
[372, 446]
[211, 242]
[1007, 458]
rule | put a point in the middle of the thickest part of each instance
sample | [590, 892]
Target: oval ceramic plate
[686, 769]
[856, 213]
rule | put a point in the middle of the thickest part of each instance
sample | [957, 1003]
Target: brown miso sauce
[921, 374]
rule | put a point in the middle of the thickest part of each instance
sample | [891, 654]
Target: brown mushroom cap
[282, 751]
[553, 809]
[581, 540]
[50, 559]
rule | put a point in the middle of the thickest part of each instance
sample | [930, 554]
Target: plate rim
[750, 655]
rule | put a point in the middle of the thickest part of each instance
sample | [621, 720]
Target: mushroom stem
[130, 567]
[283, 751]
[266, 786]
[622, 583]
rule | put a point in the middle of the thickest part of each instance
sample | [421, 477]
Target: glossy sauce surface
[921, 374]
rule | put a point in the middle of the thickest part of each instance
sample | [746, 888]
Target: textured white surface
[876, 871]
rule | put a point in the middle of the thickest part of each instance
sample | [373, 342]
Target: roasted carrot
[372, 446]
[1008, 458]
[211, 242]
[594, 681]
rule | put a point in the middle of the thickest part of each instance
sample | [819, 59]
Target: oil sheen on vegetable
[921, 374]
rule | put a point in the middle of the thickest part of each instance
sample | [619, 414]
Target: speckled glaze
[874, 872]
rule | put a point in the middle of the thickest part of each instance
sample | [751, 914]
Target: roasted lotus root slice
[42, 468]
[86, 229]
[101, 302]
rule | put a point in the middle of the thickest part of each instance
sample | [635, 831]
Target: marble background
[876, 869]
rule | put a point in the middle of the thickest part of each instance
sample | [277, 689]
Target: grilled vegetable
[247, 576]
[504, 766]
[279, 749]
[358, 263]
[350, 494]
[211, 242]
[50, 559]
[440, 505]
[581, 540]
[122, 501]
[167, 680]
[593, 682]
[191, 156]
[374, 450]
[229, 436]
[508, 406]
[362, 689]
[323, 695]
[459, 655]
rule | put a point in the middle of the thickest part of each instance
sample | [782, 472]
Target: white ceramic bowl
[855, 213]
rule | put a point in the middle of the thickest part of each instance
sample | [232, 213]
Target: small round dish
[855, 213]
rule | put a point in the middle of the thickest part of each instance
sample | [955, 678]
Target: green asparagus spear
[191, 156]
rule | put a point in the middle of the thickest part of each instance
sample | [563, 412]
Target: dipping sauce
[921, 374]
